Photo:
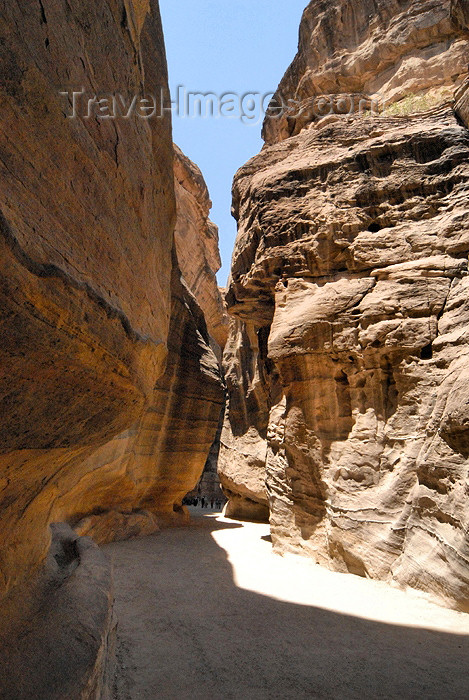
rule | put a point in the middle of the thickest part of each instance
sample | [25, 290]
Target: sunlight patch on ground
[295, 579]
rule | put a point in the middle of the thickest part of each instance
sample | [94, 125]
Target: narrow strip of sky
[226, 46]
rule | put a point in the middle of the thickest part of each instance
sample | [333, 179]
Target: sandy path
[209, 612]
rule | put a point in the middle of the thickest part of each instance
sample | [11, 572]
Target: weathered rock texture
[386, 50]
[347, 358]
[462, 103]
[138, 480]
[197, 245]
[62, 643]
[110, 391]
[142, 475]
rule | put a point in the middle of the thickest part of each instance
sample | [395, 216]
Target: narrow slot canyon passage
[208, 611]
[221, 287]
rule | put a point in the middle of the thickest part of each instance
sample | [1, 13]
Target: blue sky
[226, 46]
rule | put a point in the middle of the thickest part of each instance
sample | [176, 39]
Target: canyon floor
[210, 612]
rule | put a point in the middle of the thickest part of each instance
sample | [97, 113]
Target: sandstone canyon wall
[384, 50]
[197, 245]
[347, 357]
[110, 387]
[137, 480]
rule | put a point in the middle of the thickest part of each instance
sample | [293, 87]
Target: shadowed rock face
[137, 481]
[351, 262]
[62, 643]
[241, 462]
[142, 475]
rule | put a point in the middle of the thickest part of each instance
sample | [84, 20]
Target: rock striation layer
[142, 475]
[379, 50]
[196, 240]
[346, 361]
[86, 236]
[110, 389]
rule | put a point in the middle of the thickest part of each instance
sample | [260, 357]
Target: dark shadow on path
[187, 631]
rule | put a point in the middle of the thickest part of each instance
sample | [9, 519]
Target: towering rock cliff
[197, 245]
[137, 481]
[86, 233]
[110, 390]
[378, 50]
[346, 361]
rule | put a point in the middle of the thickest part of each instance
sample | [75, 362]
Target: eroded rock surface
[241, 462]
[352, 263]
[197, 245]
[110, 389]
[152, 466]
[383, 50]
[61, 645]
[87, 216]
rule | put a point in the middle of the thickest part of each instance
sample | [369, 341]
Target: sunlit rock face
[351, 262]
[110, 391]
[197, 245]
[86, 234]
[385, 50]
